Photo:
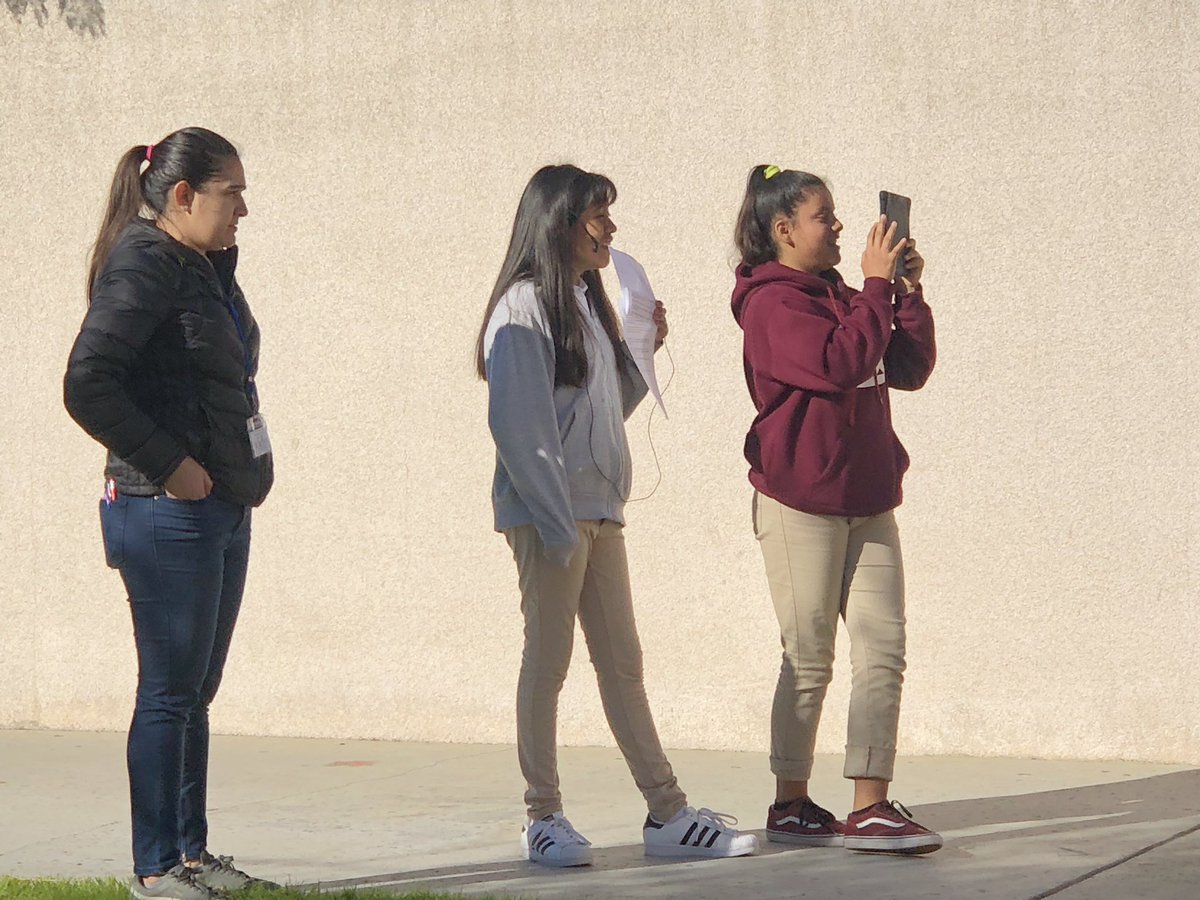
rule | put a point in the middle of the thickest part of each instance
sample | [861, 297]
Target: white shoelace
[560, 827]
[718, 820]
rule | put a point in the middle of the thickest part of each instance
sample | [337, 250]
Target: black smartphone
[896, 207]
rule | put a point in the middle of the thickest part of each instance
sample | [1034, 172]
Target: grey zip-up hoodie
[561, 452]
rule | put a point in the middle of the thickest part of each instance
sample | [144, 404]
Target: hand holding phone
[879, 259]
[915, 266]
[896, 208]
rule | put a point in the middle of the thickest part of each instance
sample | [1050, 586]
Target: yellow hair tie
[770, 172]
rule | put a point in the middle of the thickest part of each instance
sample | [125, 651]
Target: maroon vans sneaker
[887, 827]
[803, 822]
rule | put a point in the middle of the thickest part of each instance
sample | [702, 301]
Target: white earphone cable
[649, 437]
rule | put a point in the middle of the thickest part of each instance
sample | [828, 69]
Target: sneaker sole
[902, 846]
[706, 852]
[804, 840]
[136, 894]
[554, 863]
[560, 864]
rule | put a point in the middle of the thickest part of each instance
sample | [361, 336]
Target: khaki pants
[594, 586]
[820, 567]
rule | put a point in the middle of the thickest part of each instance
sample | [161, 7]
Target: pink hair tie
[149, 151]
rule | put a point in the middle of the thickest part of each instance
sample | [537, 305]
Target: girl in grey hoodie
[561, 383]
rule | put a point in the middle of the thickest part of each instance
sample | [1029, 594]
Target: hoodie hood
[827, 286]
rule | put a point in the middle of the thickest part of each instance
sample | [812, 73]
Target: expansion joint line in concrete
[1112, 865]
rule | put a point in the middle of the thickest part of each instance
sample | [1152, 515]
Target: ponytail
[770, 192]
[125, 202]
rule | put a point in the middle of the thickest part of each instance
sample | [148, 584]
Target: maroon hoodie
[822, 441]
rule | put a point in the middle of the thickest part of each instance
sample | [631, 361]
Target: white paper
[637, 317]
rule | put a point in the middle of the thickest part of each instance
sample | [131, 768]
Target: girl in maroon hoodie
[826, 469]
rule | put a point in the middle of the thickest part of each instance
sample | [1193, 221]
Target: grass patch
[112, 889]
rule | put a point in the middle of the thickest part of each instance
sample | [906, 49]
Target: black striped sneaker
[697, 832]
[553, 841]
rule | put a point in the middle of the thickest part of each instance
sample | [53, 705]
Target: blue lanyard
[247, 362]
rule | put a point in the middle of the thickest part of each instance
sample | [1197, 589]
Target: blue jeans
[184, 567]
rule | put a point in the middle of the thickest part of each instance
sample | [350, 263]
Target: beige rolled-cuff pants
[595, 587]
[820, 567]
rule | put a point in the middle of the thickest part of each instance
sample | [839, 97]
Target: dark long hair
[765, 199]
[194, 155]
[541, 250]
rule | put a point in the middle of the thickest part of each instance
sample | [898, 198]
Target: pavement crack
[1058, 889]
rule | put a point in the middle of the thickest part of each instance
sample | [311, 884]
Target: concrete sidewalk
[446, 817]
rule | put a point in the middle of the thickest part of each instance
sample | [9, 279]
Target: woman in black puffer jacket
[162, 374]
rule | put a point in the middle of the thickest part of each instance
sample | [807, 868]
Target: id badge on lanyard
[256, 425]
[260, 441]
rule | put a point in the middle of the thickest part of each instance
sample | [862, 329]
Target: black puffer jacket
[160, 372]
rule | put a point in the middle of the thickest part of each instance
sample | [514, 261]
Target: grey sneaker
[177, 884]
[218, 874]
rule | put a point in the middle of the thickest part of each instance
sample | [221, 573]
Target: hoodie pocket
[834, 464]
[818, 450]
[574, 433]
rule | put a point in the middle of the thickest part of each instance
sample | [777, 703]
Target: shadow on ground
[1058, 836]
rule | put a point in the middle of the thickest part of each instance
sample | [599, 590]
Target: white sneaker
[553, 841]
[697, 832]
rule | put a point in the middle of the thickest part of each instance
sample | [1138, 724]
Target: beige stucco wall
[1052, 520]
